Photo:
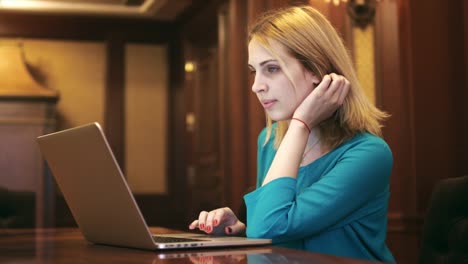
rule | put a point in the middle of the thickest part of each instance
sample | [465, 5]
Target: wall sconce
[362, 12]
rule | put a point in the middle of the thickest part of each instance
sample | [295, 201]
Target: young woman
[323, 168]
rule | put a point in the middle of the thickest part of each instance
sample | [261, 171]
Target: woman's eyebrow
[263, 62]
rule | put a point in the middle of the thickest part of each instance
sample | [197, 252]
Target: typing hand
[220, 221]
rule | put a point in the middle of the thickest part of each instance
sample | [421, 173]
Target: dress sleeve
[356, 186]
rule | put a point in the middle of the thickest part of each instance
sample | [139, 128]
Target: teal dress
[337, 204]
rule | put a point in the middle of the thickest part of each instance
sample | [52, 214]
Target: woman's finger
[202, 220]
[218, 217]
[334, 89]
[344, 92]
[193, 225]
[209, 221]
[324, 85]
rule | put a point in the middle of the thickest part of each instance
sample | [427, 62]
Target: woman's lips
[268, 103]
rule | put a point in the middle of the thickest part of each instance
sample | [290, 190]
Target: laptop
[100, 199]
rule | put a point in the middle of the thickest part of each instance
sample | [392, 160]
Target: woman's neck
[313, 149]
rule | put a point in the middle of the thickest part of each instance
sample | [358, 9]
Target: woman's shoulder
[367, 143]
[367, 139]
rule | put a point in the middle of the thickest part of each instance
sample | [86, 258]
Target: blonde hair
[309, 37]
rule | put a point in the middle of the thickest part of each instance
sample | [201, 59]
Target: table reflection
[68, 246]
[214, 256]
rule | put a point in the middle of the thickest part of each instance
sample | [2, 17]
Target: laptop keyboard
[164, 239]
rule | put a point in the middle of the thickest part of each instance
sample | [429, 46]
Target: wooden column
[464, 94]
[257, 116]
[395, 98]
[114, 112]
[237, 105]
[459, 37]
[178, 136]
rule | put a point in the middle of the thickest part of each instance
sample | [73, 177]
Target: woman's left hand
[221, 221]
[324, 100]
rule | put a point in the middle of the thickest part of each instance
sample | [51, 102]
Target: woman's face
[279, 93]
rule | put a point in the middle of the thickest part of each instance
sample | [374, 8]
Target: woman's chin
[279, 117]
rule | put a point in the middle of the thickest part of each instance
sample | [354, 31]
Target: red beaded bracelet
[305, 124]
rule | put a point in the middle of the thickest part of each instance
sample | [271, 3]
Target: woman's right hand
[324, 100]
[220, 221]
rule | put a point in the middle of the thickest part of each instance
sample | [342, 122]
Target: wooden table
[67, 245]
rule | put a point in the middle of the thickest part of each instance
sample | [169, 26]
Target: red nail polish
[215, 222]
[202, 226]
[229, 230]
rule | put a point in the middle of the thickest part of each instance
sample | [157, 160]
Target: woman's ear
[315, 80]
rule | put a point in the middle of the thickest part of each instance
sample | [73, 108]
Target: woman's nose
[259, 86]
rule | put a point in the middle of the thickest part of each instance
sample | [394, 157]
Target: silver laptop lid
[94, 187]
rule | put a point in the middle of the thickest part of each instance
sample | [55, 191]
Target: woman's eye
[272, 69]
[252, 72]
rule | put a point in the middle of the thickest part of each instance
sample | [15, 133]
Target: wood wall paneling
[395, 99]
[223, 18]
[25, 25]
[114, 112]
[237, 165]
[177, 152]
[434, 110]
[116, 32]
[204, 142]
[458, 36]
[256, 115]
[419, 73]
[464, 94]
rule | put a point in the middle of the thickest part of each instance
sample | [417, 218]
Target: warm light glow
[22, 4]
[189, 66]
[336, 2]
[190, 120]
[71, 7]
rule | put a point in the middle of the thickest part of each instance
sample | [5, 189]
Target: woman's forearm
[289, 155]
